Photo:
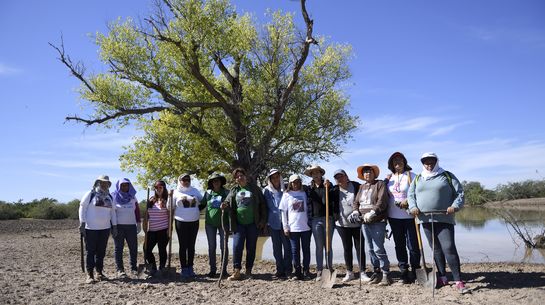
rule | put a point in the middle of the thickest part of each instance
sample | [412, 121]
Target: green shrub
[72, 209]
[476, 194]
[9, 211]
[520, 190]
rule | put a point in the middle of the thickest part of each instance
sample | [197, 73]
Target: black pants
[404, 232]
[159, 238]
[445, 248]
[95, 245]
[187, 236]
[347, 236]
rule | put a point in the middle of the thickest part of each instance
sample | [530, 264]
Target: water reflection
[481, 236]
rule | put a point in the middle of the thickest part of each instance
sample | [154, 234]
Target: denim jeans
[282, 258]
[96, 242]
[125, 233]
[351, 236]
[159, 238]
[187, 236]
[245, 234]
[211, 232]
[444, 248]
[300, 241]
[404, 232]
[318, 230]
[374, 236]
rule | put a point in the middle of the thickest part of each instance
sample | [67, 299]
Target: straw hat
[310, 169]
[375, 169]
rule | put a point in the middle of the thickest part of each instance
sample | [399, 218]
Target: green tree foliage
[476, 194]
[520, 190]
[9, 211]
[212, 89]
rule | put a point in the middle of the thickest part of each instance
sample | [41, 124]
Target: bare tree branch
[78, 69]
[120, 113]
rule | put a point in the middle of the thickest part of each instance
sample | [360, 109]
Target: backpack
[447, 175]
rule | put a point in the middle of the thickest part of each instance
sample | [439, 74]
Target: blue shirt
[274, 218]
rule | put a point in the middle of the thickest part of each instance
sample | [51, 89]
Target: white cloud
[526, 36]
[106, 141]
[79, 163]
[7, 70]
[392, 124]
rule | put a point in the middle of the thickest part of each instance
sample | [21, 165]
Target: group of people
[292, 213]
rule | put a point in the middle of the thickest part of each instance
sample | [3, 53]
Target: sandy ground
[41, 265]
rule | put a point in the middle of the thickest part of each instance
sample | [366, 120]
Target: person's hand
[224, 205]
[114, 231]
[138, 227]
[451, 210]
[368, 216]
[404, 204]
[354, 217]
[415, 212]
[82, 229]
[286, 232]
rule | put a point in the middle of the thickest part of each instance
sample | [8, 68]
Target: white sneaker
[364, 277]
[349, 276]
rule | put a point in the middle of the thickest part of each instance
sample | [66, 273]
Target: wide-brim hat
[103, 178]
[216, 175]
[375, 169]
[391, 161]
[428, 155]
[310, 169]
[294, 177]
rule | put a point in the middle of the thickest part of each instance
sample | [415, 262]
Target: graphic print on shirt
[243, 198]
[103, 201]
[215, 202]
[187, 202]
[298, 204]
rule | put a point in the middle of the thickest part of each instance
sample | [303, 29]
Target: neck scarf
[437, 170]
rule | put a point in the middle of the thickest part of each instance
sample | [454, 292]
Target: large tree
[212, 89]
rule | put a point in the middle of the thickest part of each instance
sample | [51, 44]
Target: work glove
[138, 227]
[355, 217]
[114, 231]
[82, 229]
[368, 216]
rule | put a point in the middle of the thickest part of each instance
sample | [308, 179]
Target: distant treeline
[475, 194]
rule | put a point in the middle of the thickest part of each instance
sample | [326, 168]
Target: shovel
[82, 259]
[169, 271]
[423, 276]
[145, 266]
[224, 258]
[431, 213]
[328, 275]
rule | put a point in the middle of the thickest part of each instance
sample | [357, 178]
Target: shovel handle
[417, 227]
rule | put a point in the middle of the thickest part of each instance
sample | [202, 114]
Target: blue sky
[465, 79]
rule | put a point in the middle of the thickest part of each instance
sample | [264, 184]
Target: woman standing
[186, 214]
[281, 244]
[316, 194]
[128, 225]
[96, 216]
[294, 211]
[350, 233]
[157, 227]
[212, 199]
[371, 204]
[248, 214]
[401, 222]
[438, 190]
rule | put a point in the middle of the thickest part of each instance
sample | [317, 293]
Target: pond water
[481, 236]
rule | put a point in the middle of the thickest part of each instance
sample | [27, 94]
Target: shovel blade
[140, 270]
[425, 277]
[328, 278]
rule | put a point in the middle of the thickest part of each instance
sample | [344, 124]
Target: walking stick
[145, 225]
[82, 259]
[171, 271]
[328, 275]
[224, 252]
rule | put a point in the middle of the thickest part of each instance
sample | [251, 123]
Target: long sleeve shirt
[94, 216]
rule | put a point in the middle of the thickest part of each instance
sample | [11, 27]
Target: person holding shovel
[97, 217]
[316, 194]
[343, 195]
[281, 243]
[371, 205]
[157, 227]
[186, 214]
[212, 199]
[401, 222]
[294, 213]
[434, 196]
[128, 225]
[248, 211]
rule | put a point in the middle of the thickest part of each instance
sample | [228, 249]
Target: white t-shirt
[398, 186]
[126, 212]
[97, 213]
[187, 204]
[294, 211]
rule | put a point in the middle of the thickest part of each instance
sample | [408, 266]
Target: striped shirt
[158, 218]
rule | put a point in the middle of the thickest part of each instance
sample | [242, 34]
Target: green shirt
[213, 201]
[245, 206]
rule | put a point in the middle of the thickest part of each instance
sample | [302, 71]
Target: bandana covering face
[180, 187]
[121, 197]
[426, 174]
